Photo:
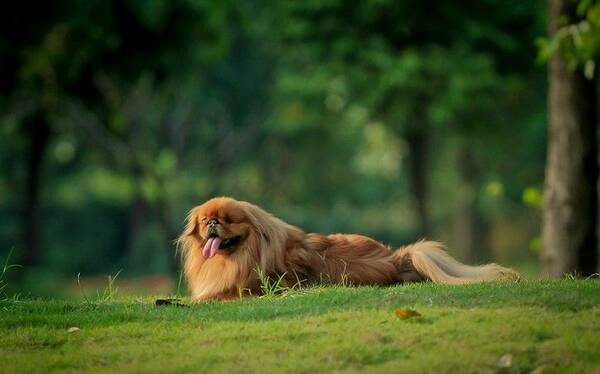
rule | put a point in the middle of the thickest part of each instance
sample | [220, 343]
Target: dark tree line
[395, 119]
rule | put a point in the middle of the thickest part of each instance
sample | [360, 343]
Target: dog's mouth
[215, 242]
[229, 242]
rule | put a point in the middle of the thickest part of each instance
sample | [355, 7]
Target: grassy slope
[549, 324]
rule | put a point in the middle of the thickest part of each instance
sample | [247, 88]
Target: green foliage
[111, 290]
[578, 39]
[107, 295]
[532, 197]
[179, 289]
[272, 286]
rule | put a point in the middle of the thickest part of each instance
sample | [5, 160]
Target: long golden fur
[226, 241]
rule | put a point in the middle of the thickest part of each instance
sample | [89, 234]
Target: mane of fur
[231, 276]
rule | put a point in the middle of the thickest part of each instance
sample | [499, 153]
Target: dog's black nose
[212, 222]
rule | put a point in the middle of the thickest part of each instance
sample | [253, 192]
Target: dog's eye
[227, 219]
[203, 219]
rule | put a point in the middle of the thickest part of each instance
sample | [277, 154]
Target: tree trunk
[470, 229]
[417, 140]
[570, 197]
[39, 134]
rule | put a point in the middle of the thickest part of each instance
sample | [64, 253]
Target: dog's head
[220, 224]
[226, 240]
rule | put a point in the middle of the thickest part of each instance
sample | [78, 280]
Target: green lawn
[536, 325]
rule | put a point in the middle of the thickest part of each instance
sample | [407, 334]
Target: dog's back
[360, 260]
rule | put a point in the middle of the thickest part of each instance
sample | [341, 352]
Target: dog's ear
[191, 225]
[188, 239]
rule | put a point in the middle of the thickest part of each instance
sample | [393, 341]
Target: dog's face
[222, 225]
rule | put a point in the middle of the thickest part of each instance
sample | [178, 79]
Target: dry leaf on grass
[73, 329]
[505, 361]
[539, 370]
[406, 313]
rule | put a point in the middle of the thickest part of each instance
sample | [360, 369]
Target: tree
[418, 70]
[56, 56]
[571, 199]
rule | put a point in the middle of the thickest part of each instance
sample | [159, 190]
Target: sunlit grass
[547, 324]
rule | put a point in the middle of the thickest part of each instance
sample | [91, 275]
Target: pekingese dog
[226, 243]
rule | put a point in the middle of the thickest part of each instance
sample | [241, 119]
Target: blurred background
[396, 119]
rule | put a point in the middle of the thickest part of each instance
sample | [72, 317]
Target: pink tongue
[211, 246]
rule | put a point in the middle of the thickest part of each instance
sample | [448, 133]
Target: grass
[3, 274]
[549, 326]
[273, 287]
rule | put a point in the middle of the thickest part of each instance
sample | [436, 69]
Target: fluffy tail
[431, 261]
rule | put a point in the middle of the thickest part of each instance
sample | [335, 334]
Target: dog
[227, 245]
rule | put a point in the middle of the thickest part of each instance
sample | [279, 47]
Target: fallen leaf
[538, 370]
[406, 313]
[73, 329]
[505, 361]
